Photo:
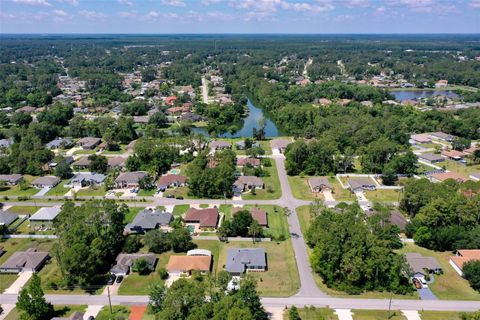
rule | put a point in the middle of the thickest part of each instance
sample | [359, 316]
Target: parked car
[111, 279]
[417, 283]
[179, 198]
[119, 279]
[170, 196]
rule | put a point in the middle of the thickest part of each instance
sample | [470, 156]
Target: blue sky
[239, 16]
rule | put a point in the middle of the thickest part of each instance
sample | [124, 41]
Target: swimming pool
[175, 171]
[191, 229]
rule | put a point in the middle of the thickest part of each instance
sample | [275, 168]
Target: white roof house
[46, 214]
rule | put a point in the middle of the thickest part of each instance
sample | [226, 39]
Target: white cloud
[210, 2]
[358, 3]
[60, 13]
[70, 2]
[126, 2]
[218, 15]
[91, 15]
[475, 4]
[44, 3]
[170, 15]
[127, 14]
[174, 3]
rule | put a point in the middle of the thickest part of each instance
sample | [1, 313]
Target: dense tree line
[444, 216]
[353, 256]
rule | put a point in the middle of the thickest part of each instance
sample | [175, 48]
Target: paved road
[204, 90]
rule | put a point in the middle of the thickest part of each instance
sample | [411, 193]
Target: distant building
[59, 143]
[442, 176]
[7, 218]
[431, 157]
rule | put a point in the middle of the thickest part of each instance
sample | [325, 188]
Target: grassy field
[147, 193]
[277, 221]
[271, 182]
[312, 313]
[59, 189]
[24, 209]
[449, 285]
[444, 315]
[15, 191]
[132, 213]
[6, 280]
[180, 209]
[135, 284]
[384, 195]
[465, 171]
[177, 192]
[123, 148]
[60, 311]
[281, 279]
[93, 191]
[377, 315]
[339, 193]
[119, 312]
[301, 189]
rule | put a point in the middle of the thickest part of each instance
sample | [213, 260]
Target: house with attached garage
[244, 183]
[87, 179]
[149, 219]
[442, 176]
[258, 215]
[129, 179]
[89, 143]
[44, 218]
[124, 262]
[241, 260]
[431, 157]
[202, 218]
[11, 179]
[82, 163]
[319, 184]
[170, 181]
[421, 266]
[441, 136]
[220, 145]
[45, 182]
[59, 143]
[361, 184]
[463, 256]
[195, 260]
[30, 260]
[244, 161]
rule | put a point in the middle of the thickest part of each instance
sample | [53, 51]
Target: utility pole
[390, 305]
[109, 299]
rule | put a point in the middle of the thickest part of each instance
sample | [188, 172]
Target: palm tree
[255, 230]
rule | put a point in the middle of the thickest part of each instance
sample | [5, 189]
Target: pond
[250, 122]
[418, 94]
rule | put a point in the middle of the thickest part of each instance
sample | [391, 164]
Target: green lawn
[444, 315]
[135, 284]
[312, 313]
[24, 209]
[462, 170]
[277, 221]
[449, 285]
[12, 245]
[60, 311]
[272, 188]
[123, 148]
[339, 193]
[301, 189]
[384, 195]
[281, 279]
[93, 191]
[177, 192]
[59, 189]
[180, 209]
[6, 280]
[377, 315]
[15, 191]
[226, 209]
[132, 213]
[147, 193]
[119, 312]
[83, 151]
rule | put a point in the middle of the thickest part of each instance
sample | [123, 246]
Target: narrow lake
[250, 122]
[418, 94]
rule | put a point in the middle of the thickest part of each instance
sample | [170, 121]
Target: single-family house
[171, 180]
[45, 182]
[11, 179]
[280, 144]
[29, 260]
[89, 142]
[475, 176]
[116, 162]
[44, 217]
[195, 260]
[442, 176]
[86, 179]
[244, 161]
[220, 145]
[7, 218]
[244, 183]
[59, 143]
[240, 145]
[241, 260]
[463, 256]
[422, 265]
[170, 100]
[361, 183]
[149, 219]
[319, 184]
[421, 138]
[441, 136]
[129, 179]
[471, 150]
[257, 214]
[441, 83]
[26, 109]
[431, 157]
[124, 262]
[324, 101]
[141, 119]
[453, 154]
[203, 218]
[82, 163]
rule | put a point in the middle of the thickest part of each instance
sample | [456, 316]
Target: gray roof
[239, 258]
[418, 262]
[475, 175]
[441, 135]
[59, 142]
[11, 178]
[319, 182]
[280, 143]
[30, 259]
[431, 157]
[6, 217]
[47, 181]
[249, 181]
[45, 214]
[5, 143]
[149, 219]
[360, 182]
[220, 144]
[125, 260]
[131, 176]
[92, 177]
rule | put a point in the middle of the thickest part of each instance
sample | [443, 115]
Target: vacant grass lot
[132, 213]
[24, 209]
[444, 315]
[15, 191]
[93, 191]
[449, 285]
[180, 209]
[135, 284]
[59, 189]
[312, 313]
[271, 182]
[384, 195]
[377, 315]
[119, 312]
[60, 311]
[177, 192]
[462, 170]
[281, 279]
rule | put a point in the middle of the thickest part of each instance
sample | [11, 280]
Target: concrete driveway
[360, 196]
[22, 279]
[328, 195]
[42, 192]
[426, 294]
